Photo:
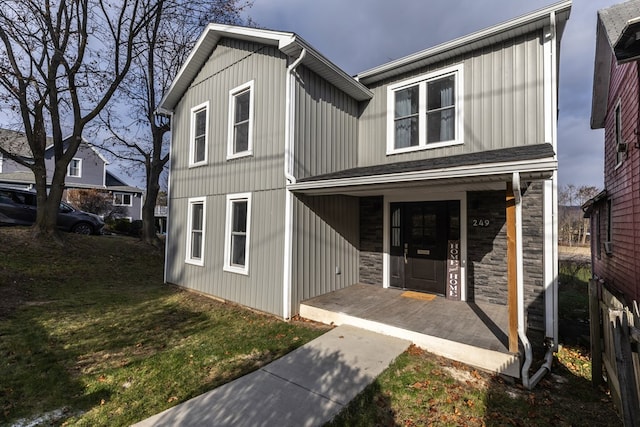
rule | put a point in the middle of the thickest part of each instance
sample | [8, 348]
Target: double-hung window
[196, 230]
[425, 112]
[237, 233]
[75, 168]
[240, 132]
[122, 199]
[199, 134]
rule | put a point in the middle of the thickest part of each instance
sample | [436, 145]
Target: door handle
[406, 250]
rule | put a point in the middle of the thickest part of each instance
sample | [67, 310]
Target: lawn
[90, 335]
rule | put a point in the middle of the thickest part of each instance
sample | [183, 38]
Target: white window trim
[122, 194]
[227, 235]
[79, 168]
[191, 202]
[192, 134]
[620, 157]
[230, 127]
[458, 72]
[1, 161]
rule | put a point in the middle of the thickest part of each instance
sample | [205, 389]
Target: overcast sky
[360, 34]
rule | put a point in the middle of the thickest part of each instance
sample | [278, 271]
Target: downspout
[527, 382]
[288, 174]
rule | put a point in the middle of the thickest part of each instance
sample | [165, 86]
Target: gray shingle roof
[513, 154]
[616, 18]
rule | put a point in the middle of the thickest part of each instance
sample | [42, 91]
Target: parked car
[18, 207]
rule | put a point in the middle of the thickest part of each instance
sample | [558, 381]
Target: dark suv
[18, 207]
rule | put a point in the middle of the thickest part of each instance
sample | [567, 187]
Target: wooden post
[512, 270]
[596, 339]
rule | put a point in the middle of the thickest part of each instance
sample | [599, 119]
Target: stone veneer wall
[371, 230]
[487, 250]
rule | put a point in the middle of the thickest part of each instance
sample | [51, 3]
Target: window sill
[199, 263]
[236, 270]
[195, 165]
[239, 155]
[430, 146]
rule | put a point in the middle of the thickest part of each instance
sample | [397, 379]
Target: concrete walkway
[306, 387]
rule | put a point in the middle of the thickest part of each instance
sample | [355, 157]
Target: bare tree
[141, 135]
[572, 225]
[61, 63]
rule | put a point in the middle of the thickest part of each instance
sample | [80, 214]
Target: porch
[472, 333]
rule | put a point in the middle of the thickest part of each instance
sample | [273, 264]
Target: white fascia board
[489, 169]
[539, 19]
[202, 50]
[106, 162]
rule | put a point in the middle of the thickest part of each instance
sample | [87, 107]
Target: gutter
[288, 174]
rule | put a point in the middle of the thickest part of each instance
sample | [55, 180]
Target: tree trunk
[149, 234]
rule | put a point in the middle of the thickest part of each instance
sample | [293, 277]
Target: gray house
[435, 174]
[87, 170]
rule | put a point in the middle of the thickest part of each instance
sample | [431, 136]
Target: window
[236, 248]
[621, 147]
[199, 134]
[75, 168]
[122, 199]
[240, 121]
[196, 227]
[425, 112]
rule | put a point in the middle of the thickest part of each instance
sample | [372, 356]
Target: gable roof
[617, 34]
[487, 37]
[16, 143]
[289, 43]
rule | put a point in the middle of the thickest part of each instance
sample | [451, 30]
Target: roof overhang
[288, 43]
[617, 35]
[508, 30]
[588, 206]
[487, 172]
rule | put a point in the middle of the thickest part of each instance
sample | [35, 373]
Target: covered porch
[472, 333]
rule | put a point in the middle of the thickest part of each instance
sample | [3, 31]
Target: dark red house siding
[621, 268]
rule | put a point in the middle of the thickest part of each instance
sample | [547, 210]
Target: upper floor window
[240, 121]
[199, 134]
[425, 112]
[75, 168]
[196, 229]
[621, 147]
[238, 221]
[122, 199]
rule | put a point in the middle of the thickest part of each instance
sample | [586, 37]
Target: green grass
[573, 292]
[90, 329]
[421, 389]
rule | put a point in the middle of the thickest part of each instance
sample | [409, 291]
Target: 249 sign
[480, 222]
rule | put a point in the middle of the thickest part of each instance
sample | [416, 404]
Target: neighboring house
[615, 212]
[436, 172]
[87, 170]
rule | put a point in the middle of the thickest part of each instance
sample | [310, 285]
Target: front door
[420, 232]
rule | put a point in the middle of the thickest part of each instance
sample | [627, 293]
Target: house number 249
[480, 222]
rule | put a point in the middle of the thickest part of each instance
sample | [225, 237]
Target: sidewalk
[306, 387]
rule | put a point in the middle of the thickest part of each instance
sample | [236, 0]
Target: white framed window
[199, 134]
[621, 147]
[196, 230]
[237, 233]
[74, 169]
[426, 111]
[240, 131]
[122, 199]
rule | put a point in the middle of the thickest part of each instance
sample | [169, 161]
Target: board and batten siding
[261, 289]
[233, 63]
[503, 103]
[326, 127]
[325, 245]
